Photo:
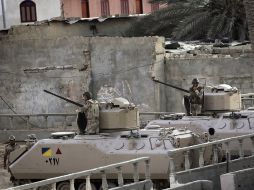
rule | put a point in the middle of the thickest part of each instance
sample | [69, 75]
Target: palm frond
[169, 1]
[228, 28]
[190, 24]
[194, 19]
[173, 12]
[217, 26]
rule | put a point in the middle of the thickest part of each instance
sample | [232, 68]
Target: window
[85, 8]
[124, 7]
[105, 8]
[28, 11]
[154, 6]
[139, 7]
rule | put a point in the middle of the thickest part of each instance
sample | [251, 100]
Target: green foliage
[194, 20]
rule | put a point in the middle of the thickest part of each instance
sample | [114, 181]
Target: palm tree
[249, 7]
[195, 20]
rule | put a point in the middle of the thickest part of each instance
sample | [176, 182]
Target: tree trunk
[249, 8]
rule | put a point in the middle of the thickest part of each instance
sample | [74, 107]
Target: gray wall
[239, 180]
[213, 172]
[57, 56]
[37, 58]
[127, 64]
[55, 28]
[29, 66]
[211, 70]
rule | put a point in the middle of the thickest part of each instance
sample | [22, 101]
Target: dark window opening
[154, 6]
[124, 7]
[105, 8]
[139, 7]
[85, 8]
[28, 11]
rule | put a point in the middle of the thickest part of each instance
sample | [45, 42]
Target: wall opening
[85, 8]
[139, 7]
[125, 7]
[28, 11]
[105, 8]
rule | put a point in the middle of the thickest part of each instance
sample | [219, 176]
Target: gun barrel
[63, 98]
[176, 87]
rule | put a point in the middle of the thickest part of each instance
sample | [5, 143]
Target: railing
[26, 117]
[71, 177]
[201, 148]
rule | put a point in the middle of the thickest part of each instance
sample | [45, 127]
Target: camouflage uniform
[8, 149]
[92, 121]
[196, 100]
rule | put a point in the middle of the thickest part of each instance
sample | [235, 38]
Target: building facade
[16, 12]
[104, 8]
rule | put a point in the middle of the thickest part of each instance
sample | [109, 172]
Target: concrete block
[228, 182]
[213, 172]
[197, 185]
[238, 180]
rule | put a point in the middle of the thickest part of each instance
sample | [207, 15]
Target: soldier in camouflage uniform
[11, 146]
[196, 96]
[92, 126]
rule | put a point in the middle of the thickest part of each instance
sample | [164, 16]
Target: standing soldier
[11, 146]
[91, 110]
[196, 96]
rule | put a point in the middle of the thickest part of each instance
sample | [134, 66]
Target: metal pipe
[3, 12]
[227, 166]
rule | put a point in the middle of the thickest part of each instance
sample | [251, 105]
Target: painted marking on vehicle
[47, 152]
[52, 161]
[58, 151]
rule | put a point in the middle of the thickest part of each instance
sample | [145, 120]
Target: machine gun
[176, 87]
[81, 119]
[186, 98]
[63, 98]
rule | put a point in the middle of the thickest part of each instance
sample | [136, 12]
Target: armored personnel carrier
[221, 117]
[119, 139]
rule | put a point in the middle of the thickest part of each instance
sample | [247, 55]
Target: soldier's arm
[5, 157]
[86, 106]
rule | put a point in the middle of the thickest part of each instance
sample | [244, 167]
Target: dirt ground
[4, 175]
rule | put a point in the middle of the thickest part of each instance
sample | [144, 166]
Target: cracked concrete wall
[211, 70]
[22, 87]
[67, 65]
[127, 64]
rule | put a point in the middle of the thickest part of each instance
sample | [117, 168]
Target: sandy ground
[4, 175]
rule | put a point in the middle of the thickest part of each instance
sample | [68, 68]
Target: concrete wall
[211, 70]
[127, 64]
[213, 172]
[239, 180]
[43, 59]
[53, 29]
[43, 10]
[30, 65]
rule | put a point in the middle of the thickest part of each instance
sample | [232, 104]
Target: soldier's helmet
[87, 95]
[195, 81]
[12, 138]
